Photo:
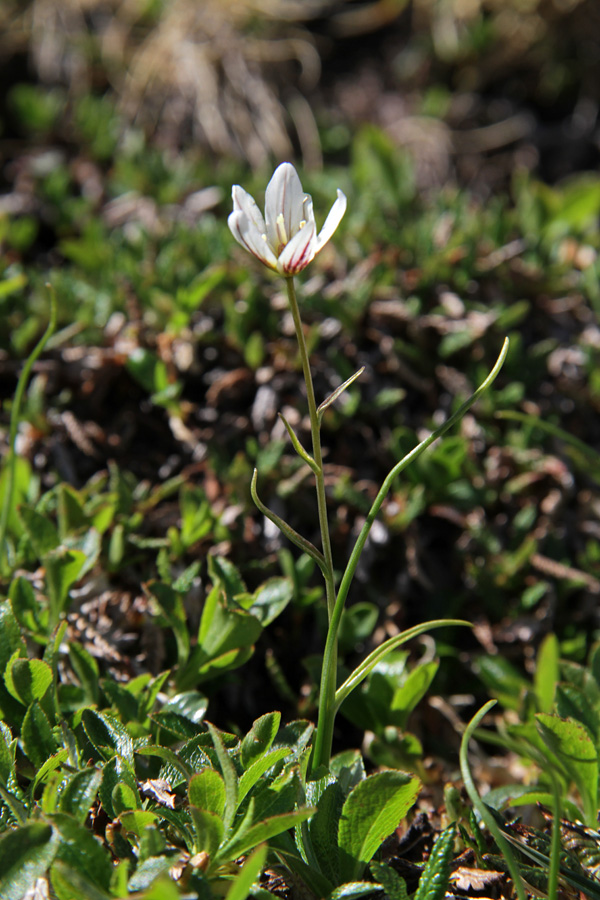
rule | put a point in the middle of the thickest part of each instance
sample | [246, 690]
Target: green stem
[480, 806]
[324, 734]
[14, 424]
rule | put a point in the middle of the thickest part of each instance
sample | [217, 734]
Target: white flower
[286, 239]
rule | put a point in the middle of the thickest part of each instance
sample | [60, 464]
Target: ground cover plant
[164, 682]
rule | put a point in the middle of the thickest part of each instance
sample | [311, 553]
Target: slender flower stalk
[286, 240]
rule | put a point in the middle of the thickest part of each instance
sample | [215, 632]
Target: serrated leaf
[36, 735]
[25, 854]
[259, 738]
[370, 814]
[27, 680]
[207, 791]
[78, 795]
[107, 734]
[434, 880]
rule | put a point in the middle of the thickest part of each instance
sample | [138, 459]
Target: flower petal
[247, 234]
[298, 252]
[244, 202]
[284, 197]
[333, 219]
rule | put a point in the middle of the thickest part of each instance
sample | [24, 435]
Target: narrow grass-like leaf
[368, 664]
[262, 831]
[229, 777]
[208, 830]
[248, 874]
[255, 771]
[547, 672]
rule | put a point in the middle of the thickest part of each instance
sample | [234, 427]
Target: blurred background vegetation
[466, 137]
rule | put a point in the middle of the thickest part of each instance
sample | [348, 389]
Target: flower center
[282, 237]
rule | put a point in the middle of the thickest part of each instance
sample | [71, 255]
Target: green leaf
[370, 814]
[502, 680]
[36, 735]
[40, 531]
[434, 880]
[146, 875]
[208, 829]
[229, 777]
[26, 607]
[107, 734]
[25, 854]
[71, 515]
[255, 771]
[270, 599]
[260, 737]
[80, 850]
[413, 690]
[261, 832]
[70, 884]
[546, 672]
[78, 795]
[171, 606]
[354, 889]
[117, 771]
[207, 791]
[323, 830]
[63, 569]
[86, 669]
[571, 743]
[248, 875]
[27, 680]
[223, 572]
[393, 884]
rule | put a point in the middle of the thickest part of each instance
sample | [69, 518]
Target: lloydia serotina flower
[286, 238]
